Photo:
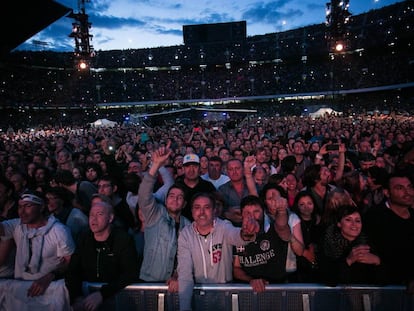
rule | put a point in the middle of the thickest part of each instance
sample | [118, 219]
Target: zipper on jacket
[97, 262]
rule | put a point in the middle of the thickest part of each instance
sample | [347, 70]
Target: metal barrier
[240, 297]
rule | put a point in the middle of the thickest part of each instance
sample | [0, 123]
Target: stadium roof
[22, 20]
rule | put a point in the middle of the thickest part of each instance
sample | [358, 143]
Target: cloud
[315, 6]
[112, 22]
[123, 24]
[271, 12]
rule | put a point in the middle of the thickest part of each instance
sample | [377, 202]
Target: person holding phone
[325, 156]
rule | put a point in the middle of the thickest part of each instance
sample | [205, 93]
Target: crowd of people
[271, 200]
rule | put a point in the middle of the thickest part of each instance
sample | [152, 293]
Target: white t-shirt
[293, 221]
[216, 182]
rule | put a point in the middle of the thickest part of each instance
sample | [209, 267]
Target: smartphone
[332, 147]
[215, 128]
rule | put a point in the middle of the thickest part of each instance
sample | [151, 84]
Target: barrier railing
[240, 297]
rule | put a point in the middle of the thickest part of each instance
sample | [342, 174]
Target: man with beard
[263, 260]
[192, 182]
[163, 224]
[44, 247]
[390, 227]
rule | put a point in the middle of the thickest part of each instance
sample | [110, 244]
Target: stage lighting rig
[80, 33]
[337, 25]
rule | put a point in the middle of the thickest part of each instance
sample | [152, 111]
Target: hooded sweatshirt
[205, 259]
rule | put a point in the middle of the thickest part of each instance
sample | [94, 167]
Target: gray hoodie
[205, 259]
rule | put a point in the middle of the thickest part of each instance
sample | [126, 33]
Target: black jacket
[332, 261]
[113, 262]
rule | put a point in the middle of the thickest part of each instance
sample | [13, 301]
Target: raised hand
[250, 227]
[277, 205]
[160, 156]
[249, 162]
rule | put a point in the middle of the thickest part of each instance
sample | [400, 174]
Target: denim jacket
[161, 241]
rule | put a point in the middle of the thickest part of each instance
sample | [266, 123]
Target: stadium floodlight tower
[337, 34]
[337, 25]
[80, 33]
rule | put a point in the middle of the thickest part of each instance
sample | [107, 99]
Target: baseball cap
[191, 158]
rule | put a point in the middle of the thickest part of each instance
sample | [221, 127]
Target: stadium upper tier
[378, 53]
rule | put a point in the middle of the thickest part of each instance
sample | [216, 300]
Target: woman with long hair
[272, 195]
[307, 264]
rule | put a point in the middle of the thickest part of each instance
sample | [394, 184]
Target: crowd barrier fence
[240, 297]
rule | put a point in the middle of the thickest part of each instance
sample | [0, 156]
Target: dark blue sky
[124, 24]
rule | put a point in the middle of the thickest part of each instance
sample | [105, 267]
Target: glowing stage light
[83, 65]
[339, 47]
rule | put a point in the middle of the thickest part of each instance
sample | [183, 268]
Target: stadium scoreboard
[214, 33]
